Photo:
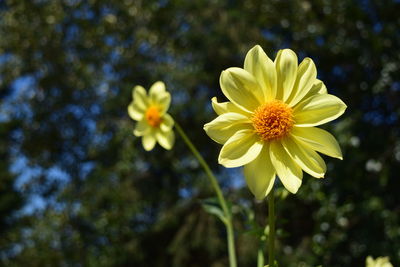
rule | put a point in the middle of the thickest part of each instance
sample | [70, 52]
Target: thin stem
[271, 235]
[260, 257]
[231, 242]
[217, 189]
[261, 245]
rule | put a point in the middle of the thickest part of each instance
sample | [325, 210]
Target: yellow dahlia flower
[154, 123]
[267, 125]
[378, 262]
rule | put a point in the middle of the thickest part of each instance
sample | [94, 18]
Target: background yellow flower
[268, 124]
[154, 123]
[378, 262]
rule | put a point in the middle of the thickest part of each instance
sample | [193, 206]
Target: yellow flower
[268, 124]
[379, 262]
[154, 123]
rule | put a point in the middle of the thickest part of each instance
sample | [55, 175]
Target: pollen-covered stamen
[272, 120]
[153, 116]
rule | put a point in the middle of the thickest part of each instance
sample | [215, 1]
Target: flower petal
[156, 89]
[318, 109]
[225, 107]
[317, 88]
[319, 140]
[167, 123]
[305, 157]
[163, 102]
[140, 97]
[159, 96]
[243, 147]
[260, 174]
[165, 139]
[286, 69]
[135, 112]
[263, 69]
[288, 171]
[149, 141]
[241, 88]
[142, 128]
[306, 76]
[226, 125]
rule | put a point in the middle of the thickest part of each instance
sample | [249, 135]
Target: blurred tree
[67, 68]
[11, 200]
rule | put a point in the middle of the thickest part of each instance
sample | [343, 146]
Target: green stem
[260, 257]
[217, 189]
[261, 245]
[271, 235]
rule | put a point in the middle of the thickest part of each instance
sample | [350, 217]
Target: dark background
[78, 189]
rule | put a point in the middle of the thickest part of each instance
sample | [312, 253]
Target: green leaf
[275, 264]
[212, 206]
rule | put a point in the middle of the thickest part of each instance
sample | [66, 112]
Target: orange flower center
[153, 116]
[272, 120]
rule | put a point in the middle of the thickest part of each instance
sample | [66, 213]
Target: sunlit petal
[142, 128]
[288, 171]
[140, 97]
[226, 125]
[317, 88]
[317, 110]
[305, 157]
[163, 102]
[241, 88]
[149, 141]
[240, 149]
[319, 140]
[306, 76]
[286, 68]
[156, 89]
[225, 107]
[260, 174]
[263, 69]
[135, 112]
[167, 123]
[165, 139]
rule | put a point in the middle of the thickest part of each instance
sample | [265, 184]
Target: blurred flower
[154, 123]
[379, 262]
[268, 124]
